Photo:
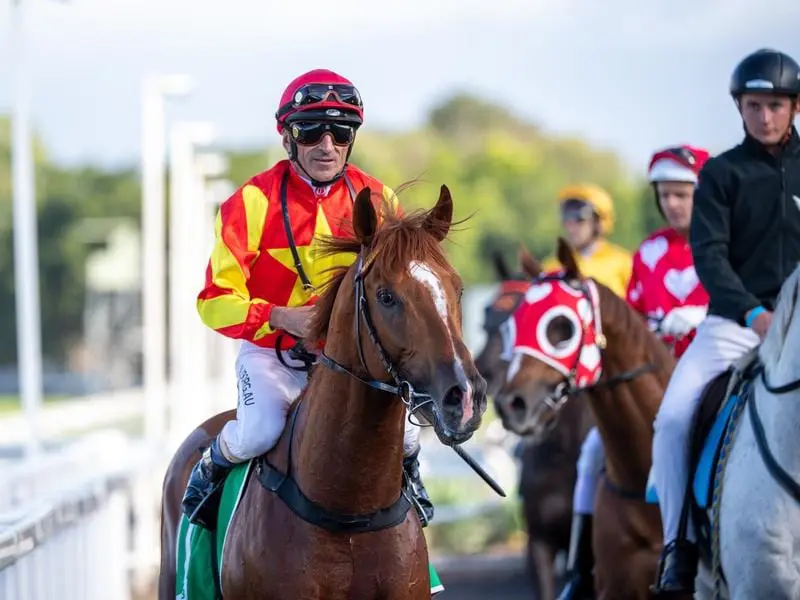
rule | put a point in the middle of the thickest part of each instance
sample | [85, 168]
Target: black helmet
[766, 71]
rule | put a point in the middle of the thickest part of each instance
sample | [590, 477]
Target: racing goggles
[681, 155]
[575, 209]
[315, 93]
[309, 134]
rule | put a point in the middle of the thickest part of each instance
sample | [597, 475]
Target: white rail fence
[66, 522]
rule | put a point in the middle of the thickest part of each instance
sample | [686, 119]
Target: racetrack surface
[483, 578]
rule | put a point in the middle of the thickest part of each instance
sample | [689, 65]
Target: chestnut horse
[393, 347]
[576, 337]
[547, 457]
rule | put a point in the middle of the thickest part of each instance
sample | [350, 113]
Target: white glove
[680, 321]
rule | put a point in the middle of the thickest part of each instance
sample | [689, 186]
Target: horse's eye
[386, 297]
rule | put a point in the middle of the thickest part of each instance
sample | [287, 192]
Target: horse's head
[490, 361]
[401, 301]
[557, 340]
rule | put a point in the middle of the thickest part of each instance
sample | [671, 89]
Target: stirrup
[677, 569]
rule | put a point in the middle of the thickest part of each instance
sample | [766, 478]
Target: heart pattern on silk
[653, 251]
[636, 292]
[681, 283]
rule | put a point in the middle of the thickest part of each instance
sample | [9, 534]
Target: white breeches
[266, 390]
[718, 344]
[590, 464]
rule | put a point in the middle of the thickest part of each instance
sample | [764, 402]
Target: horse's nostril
[518, 404]
[454, 396]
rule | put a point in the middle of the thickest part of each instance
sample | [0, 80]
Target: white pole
[26, 256]
[209, 167]
[154, 319]
[184, 362]
[154, 243]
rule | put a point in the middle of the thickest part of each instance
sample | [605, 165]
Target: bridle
[402, 387]
[504, 305]
[568, 387]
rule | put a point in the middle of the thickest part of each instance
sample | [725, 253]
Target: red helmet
[320, 95]
[680, 163]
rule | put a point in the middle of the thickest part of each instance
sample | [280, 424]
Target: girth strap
[287, 490]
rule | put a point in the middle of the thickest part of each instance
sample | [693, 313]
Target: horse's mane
[771, 348]
[399, 239]
[638, 337]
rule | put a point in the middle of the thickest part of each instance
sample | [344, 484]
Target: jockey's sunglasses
[309, 134]
[576, 210]
[317, 92]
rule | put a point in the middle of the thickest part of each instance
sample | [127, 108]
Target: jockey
[587, 214]
[664, 288]
[262, 277]
[745, 238]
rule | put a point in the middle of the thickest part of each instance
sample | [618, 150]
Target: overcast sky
[626, 74]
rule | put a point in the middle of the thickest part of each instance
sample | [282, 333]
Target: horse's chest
[299, 561]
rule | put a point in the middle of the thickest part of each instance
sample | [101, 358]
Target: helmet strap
[658, 200]
[788, 135]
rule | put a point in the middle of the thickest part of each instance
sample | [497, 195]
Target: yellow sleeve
[225, 304]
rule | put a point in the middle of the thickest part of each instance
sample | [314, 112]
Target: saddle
[710, 423]
[705, 442]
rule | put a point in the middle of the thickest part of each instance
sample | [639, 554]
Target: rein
[403, 388]
[287, 226]
[780, 475]
[284, 485]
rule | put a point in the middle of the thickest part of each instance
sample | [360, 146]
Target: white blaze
[422, 273]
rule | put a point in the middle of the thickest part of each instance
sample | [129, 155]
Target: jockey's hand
[761, 324]
[294, 319]
[681, 321]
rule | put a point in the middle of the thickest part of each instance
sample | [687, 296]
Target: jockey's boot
[422, 502]
[676, 570]
[201, 500]
[580, 561]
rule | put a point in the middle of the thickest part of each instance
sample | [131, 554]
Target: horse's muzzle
[459, 402]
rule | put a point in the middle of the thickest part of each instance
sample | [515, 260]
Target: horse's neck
[349, 445]
[576, 420]
[625, 412]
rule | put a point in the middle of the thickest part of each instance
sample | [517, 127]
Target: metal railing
[66, 523]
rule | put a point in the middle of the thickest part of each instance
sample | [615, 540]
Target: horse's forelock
[400, 239]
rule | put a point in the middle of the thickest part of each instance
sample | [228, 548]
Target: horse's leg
[541, 569]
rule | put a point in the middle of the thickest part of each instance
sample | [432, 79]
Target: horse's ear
[365, 219]
[500, 266]
[440, 216]
[566, 256]
[530, 266]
